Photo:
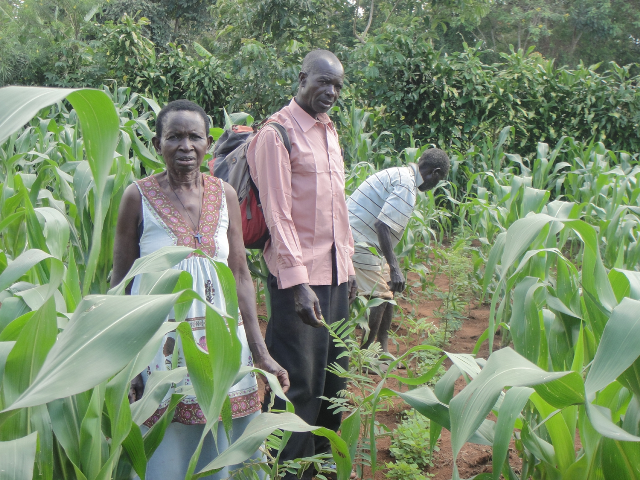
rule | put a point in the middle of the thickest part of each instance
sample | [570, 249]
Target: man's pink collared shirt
[303, 199]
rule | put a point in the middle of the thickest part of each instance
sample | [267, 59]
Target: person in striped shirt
[379, 211]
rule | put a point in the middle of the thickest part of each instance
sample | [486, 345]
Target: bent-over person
[379, 211]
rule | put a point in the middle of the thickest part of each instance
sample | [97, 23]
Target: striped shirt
[388, 196]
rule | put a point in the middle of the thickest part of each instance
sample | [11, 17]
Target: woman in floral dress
[181, 206]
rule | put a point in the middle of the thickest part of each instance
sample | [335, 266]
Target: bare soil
[473, 459]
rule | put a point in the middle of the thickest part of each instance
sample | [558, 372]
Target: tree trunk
[364, 33]
[175, 28]
[575, 40]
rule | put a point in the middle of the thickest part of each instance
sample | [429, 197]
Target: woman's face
[184, 141]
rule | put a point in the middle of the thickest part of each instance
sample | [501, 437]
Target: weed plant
[405, 471]
[410, 442]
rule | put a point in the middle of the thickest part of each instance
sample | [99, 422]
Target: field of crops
[549, 240]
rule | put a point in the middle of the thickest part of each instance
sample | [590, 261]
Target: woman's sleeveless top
[163, 226]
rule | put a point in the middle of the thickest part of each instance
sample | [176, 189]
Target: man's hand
[136, 389]
[307, 305]
[268, 364]
[353, 288]
[397, 282]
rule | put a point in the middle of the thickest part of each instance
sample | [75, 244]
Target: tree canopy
[47, 41]
[444, 71]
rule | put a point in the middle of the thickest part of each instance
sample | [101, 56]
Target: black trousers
[305, 352]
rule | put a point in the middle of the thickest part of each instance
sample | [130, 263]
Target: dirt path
[473, 459]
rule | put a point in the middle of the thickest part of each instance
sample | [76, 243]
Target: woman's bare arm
[246, 292]
[126, 250]
[125, 246]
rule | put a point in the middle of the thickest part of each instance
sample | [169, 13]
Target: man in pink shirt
[309, 252]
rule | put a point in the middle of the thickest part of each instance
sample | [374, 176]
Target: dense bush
[411, 89]
[415, 90]
[455, 99]
[167, 75]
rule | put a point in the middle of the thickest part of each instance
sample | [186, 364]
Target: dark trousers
[306, 352]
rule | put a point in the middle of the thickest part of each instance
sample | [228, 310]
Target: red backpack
[230, 161]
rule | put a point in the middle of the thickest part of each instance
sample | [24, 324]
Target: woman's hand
[268, 364]
[136, 389]
[247, 295]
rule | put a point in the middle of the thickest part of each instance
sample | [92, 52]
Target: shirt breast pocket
[337, 162]
[303, 163]
[335, 157]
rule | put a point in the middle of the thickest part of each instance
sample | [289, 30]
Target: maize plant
[68, 347]
[559, 236]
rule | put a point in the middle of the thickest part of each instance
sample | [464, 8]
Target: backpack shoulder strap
[282, 132]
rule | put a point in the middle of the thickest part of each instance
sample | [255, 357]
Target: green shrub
[410, 443]
[405, 471]
[458, 99]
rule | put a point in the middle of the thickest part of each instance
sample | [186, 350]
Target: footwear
[387, 358]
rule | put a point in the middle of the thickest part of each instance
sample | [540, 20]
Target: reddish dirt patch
[473, 459]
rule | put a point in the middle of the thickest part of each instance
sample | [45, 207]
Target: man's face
[320, 89]
[430, 176]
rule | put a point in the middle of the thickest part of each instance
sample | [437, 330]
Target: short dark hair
[310, 62]
[180, 106]
[435, 158]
